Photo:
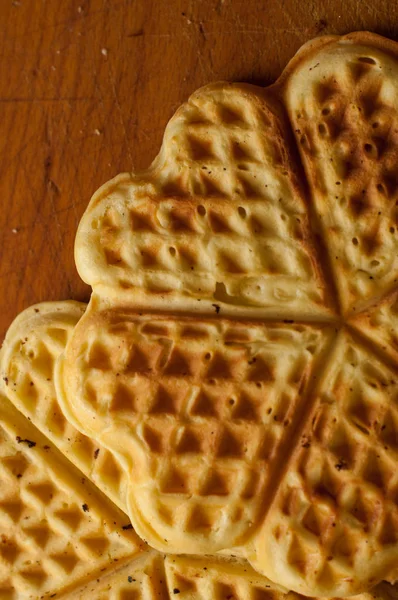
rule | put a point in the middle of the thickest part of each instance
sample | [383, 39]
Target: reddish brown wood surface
[86, 88]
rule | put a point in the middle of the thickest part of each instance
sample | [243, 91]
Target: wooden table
[86, 88]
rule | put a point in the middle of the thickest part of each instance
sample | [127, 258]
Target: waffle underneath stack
[230, 394]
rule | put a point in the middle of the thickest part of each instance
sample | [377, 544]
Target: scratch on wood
[294, 29]
[119, 109]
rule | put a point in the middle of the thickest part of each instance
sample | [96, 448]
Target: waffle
[220, 218]
[341, 97]
[197, 409]
[56, 528]
[225, 222]
[32, 344]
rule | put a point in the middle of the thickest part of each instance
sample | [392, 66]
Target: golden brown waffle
[56, 528]
[218, 221]
[198, 410]
[33, 343]
[341, 96]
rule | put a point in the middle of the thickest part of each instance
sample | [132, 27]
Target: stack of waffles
[221, 421]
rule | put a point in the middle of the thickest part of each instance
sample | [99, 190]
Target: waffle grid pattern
[346, 126]
[353, 188]
[27, 363]
[210, 403]
[380, 325]
[208, 222]
[55, 529]
[201, 579]
[140, 579]
[337, 506]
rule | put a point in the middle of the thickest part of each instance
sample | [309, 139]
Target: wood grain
[86, 88]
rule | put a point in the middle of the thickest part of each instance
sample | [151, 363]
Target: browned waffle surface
[202, 578]
[206, 578]
[380, 325]
[220, 217]
[199, 410]
[212, 418]
[27, 359]
[335, 516]
[56, 528]
[204, 415]
[143, 578]
[342, 99]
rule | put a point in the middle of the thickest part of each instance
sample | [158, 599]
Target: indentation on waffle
[208, 403]
[220, 206]
[337, 505]
[380, 325]
[28, 359]
[191, 259]
[54, 528]
[346, 127]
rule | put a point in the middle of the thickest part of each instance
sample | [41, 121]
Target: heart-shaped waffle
[197, 409]
[342, 97]
[220, 218]
[279, 435]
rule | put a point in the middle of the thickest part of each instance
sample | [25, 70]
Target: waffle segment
[220, 217]
[55, 527]
[380, 325]
[342, 98]
[199, 412]
[33, 343]
[333, 525]
[205, 578]
[140, 579]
